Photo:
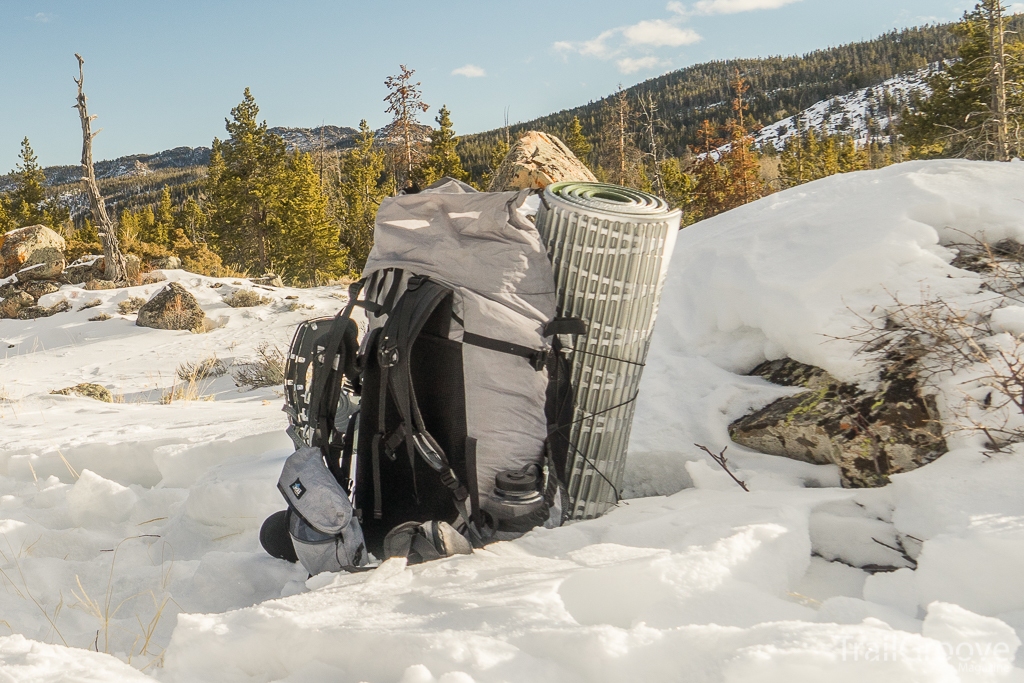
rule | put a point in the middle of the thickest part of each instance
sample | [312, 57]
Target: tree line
[308, 217]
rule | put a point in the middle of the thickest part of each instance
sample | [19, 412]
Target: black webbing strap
[538, 357]
[325, 361]
[394, 350]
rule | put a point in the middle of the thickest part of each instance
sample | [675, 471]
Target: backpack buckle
[539, 359]
[387, 356]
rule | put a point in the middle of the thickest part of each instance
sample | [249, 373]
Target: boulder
[87, 390]
[172, 308]
[536, 161]
[868, 434]
[84, 269]
[132, 266]
[93, 285]
[11, 305]
[33, 312]
[166, 263]
[38, 288]
[30, 246]
[41, 271]
[269, 280]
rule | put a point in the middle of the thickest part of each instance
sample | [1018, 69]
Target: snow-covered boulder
[868, 434]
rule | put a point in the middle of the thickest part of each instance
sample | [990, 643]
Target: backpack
[453, 404]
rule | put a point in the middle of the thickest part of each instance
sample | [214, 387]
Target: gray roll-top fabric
[475, 240]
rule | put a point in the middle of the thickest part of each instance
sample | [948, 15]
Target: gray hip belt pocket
[325, 532]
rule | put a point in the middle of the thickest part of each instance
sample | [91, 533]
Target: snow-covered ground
[128, 531]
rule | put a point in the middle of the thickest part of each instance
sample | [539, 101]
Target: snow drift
[130, 528]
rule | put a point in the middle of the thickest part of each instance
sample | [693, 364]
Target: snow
[128, 530]
[852, 114]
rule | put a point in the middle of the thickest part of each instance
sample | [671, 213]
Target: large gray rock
[30, 246]
[537, 160]
[172, 308]
[869, 435]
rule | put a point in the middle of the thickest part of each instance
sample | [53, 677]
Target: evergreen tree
[28, 199]
[163, 220]
[707, 196]
[244, 186]
[6, 221]
[309, 251]
[364, 185]
[975, 99]
[576, 141]
[443, 158]
[742, 178]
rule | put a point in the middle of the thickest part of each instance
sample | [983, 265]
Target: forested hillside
[779, 87]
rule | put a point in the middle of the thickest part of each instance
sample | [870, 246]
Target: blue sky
[165, 74]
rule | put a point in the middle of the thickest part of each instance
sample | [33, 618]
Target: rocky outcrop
[14, 302]
[34, 245]
[84, 269]
[97, 392]
[172, 308]
[166, 263]
[535, 161]
[33, 312]
[268, 280]
[868, 434]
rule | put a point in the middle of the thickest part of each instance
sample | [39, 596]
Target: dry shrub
[244, 298]
[99, 318]
[90, 304]
[130, 305]
[206, 368]
[267, 370]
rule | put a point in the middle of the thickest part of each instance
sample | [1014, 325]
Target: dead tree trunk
[996, 29]
[114, 262]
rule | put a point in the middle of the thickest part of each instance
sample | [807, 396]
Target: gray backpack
[454, 403]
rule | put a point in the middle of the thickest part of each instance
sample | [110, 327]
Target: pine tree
[163, 220]
[976, 100]
[742, 178]
[244, 186]
[576, 141]
[620, 156]
[6, 222]
[405, 103]
[364, 185]
[309, 251]
[27, 200]
[707, 197]
[443, 158]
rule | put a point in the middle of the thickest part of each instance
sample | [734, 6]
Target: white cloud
[1015, 7]
[645, 35]
[41, 17]
[469, 71]
[628, 65]
[728, 6]
[659, 33]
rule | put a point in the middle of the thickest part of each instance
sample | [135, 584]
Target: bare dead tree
[997, 54]
[651, 123]
[115, 269]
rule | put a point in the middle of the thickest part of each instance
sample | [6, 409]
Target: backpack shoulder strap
[405, 323]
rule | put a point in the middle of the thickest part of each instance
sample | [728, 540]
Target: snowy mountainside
[859, 114]
[128, 531]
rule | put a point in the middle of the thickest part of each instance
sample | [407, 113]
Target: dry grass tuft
[206, 368]
[267, 370]
[130, 305]
[245, 298]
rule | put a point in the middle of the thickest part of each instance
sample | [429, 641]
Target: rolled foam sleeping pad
[610, 247]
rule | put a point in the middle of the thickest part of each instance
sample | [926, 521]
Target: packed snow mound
[128, 530]
[791, 273]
